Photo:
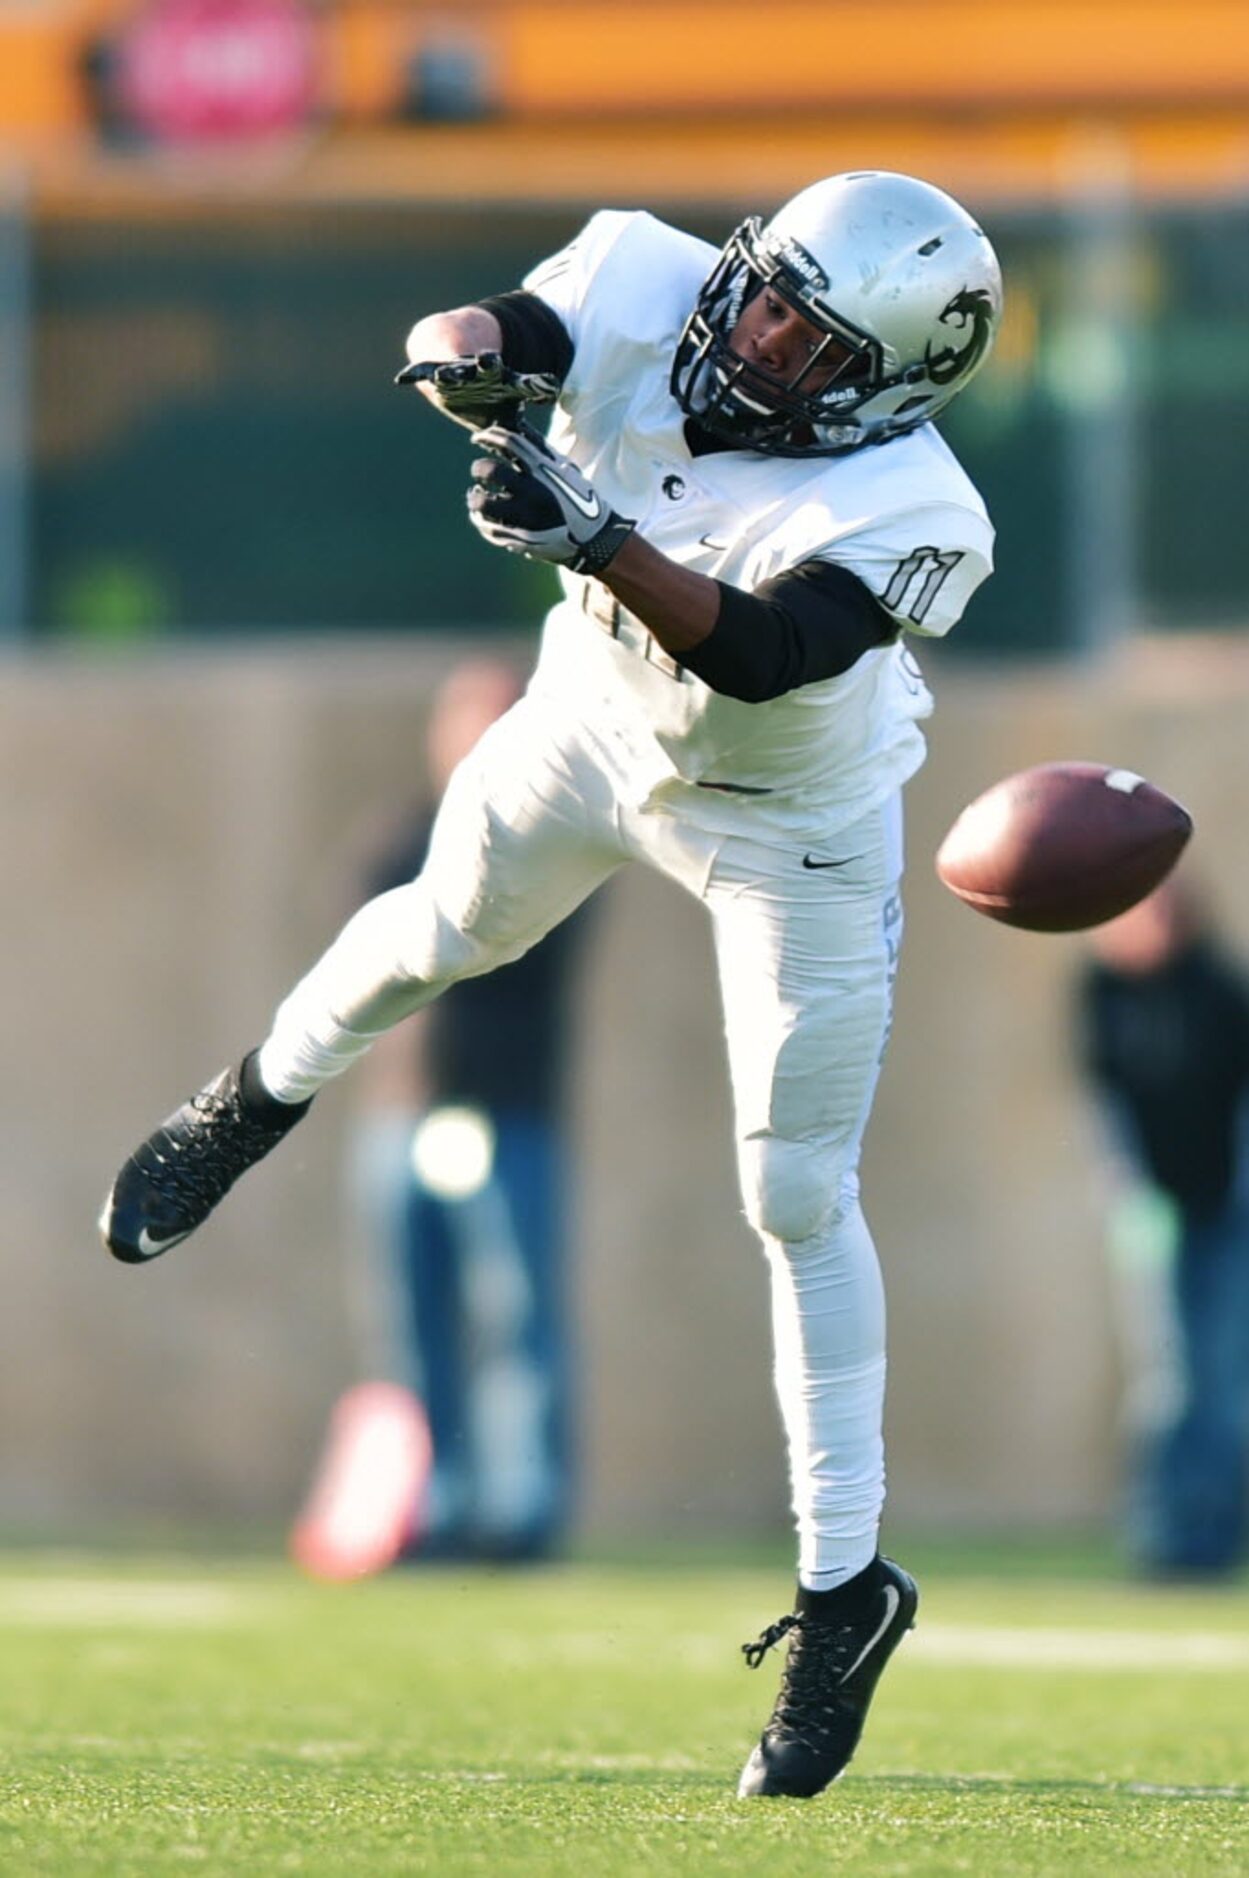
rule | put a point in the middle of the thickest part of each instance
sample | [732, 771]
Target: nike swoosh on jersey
[893, 1598]
[591, 509]
[814, 865]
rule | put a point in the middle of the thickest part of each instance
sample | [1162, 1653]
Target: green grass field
[162, 1716]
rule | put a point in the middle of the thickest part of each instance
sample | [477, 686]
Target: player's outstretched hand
[479, 389]
[529, 499]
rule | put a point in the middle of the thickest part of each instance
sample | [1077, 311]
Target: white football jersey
[902, 516]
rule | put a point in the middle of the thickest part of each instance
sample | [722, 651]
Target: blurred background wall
[233, 564]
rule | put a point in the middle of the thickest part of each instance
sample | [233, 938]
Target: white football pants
[806, 939]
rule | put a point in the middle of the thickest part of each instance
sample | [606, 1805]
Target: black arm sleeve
[813, 621]
[535, 338]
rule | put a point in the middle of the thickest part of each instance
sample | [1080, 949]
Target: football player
[751, 512]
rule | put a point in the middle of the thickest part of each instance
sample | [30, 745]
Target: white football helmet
[892, 270]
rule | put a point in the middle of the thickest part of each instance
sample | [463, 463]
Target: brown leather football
[1063, 846]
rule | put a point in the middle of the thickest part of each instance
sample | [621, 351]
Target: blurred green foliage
[219, 446]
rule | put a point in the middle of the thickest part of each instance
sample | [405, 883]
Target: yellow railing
[665, 99]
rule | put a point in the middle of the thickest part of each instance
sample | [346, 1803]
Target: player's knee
[405, 952]
[398, 953]
[791, 1189]
[438, 953]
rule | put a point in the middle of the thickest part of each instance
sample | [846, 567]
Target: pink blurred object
[201, 70]
[365, 1504]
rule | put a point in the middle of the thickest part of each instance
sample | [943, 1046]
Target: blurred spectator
[1164, 1015]
[456, 1180]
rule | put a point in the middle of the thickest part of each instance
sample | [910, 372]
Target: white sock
[294, 1065]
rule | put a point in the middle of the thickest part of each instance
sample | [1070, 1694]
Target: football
[1063, 846]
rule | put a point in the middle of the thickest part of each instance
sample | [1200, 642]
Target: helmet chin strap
[733, 405]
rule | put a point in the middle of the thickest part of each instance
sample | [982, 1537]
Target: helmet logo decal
[972, 308]
[791, 254]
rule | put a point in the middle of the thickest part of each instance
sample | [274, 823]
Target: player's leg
[525, 832]
[807, 958]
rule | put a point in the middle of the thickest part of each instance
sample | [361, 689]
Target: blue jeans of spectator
[479, 1299]
[1196, 1515]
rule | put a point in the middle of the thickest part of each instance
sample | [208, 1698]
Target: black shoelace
[819, 1654]
[756, 1651]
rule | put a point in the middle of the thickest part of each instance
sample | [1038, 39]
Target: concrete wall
[175, 830]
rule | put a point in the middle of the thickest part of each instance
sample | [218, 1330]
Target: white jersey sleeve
[563, 279]
[923, 564]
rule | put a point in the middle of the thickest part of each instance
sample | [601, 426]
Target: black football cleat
[173, 1181]
[830, 1674]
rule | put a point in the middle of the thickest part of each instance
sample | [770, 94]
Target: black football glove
[480, 389]
[529, 499]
